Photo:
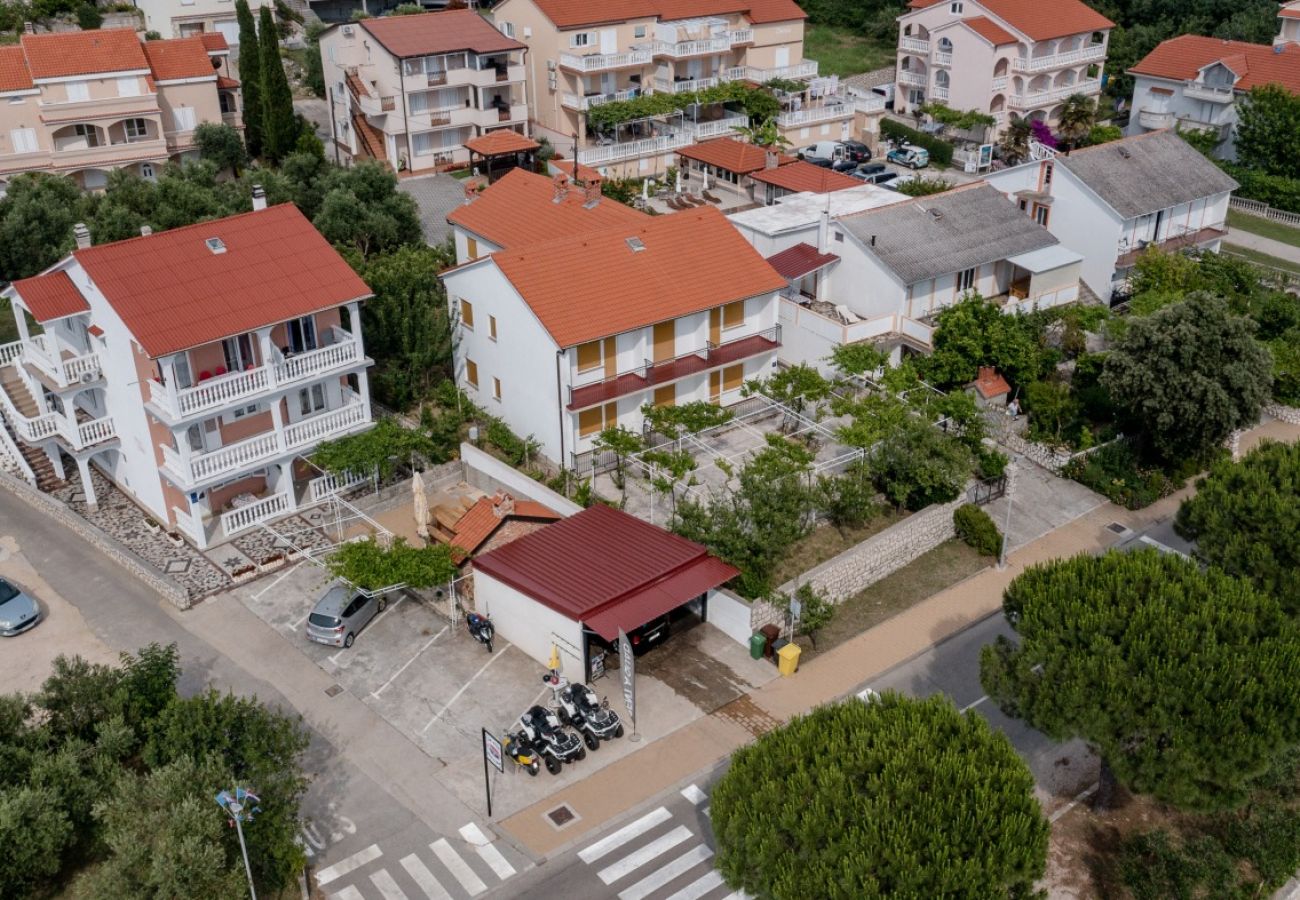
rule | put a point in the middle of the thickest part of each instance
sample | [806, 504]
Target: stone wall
[1288, 414]
[56, 510]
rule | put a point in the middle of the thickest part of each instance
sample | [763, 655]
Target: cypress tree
[250, 77]
[279, 128]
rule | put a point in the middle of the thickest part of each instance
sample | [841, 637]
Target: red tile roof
[797, 261]
[520, 209]
[575, 170]
[1182, 58]
[226, 84]
[179, 58]
[51, 296]
[606, 568]
[83, 52]
[690, 261]
[801, 175]
[214, 41]
[572, 13]
[990, 383]
[732, 155]
[991, 31]
[490, 513]
[438, 32]
[501, 142]
[13, 70]
[1289, 12]
[1040, 20]
[173, 292]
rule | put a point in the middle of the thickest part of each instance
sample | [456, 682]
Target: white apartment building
[1110, 202]
[565, 335]
[1009, 58]
[193, 367]
[411, 90]
[189, 18]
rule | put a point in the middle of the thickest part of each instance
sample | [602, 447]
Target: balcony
[485, 77]
[598, 62]
[62, 370]
[1222, 130]
[916, 79]
[1091, 53]
[685, 86]
[257, 451]
[652, 374]
[1176, 239]
[830, 111]
[1155, 119]
[914, 45]
[32, 426]
[684, 49]
[53, 113]
[584, 103]
[805, 69]
[109, 154]
[943, 58]
[718, 127]
[1195, 90]
[683, 136]
[1056, 95]
[796, 312]
[999, 83]
[940, 92]
[283, 372]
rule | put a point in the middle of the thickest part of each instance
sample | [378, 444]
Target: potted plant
[243, 573]
[175, 539]
[151, 525]
[273, 561]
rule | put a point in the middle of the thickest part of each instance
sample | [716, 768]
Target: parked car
[18, 611]
[909, 155]
[340, 613]
[651, 634]
[879, 176]
[896, 183]
[829, 154]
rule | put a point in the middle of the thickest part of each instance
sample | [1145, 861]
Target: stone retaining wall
[1288, 414]
[56, 510]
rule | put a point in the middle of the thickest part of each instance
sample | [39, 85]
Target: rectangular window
[956, 8]
[88, 132]
[136, 129]
[181, 366]
[1024, 206]
[302, 334]
[471, 372]
[638, 31]
[589, 356]
[128, 86]
[1040, 215]
[1047, 173]
[508, 29]
[581, 39]
[78, 91]
[589, 422]
[496, 388]
[666, 395]
[965, 280]
[467, 314]
[184, 116]
[23, 140]
[733, 314]
[243, 411]
[733, 377]
[492, 327]
[471, 247]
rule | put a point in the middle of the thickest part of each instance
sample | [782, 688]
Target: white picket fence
[1255, 208]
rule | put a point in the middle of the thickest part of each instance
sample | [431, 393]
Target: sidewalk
[1261, 244]
[704, 743]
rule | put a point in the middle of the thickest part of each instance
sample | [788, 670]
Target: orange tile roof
[51, 296]
[990, 383]
[214, 41]
[732, 155]
[991, 31]
[804, 176]
[83, 52]
[226, 84]
[520, 209]
[1289, 12]
[575, 170]
[173, 292]
[13, 70]
[172, 60]
[572, 13]
[689, 261]
[797, 261]
[1182, 58]
[501, 142]
[489, 513]
[438, 32]
[1040, 20]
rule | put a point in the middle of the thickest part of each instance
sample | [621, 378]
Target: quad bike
[521, 751]
[556, 746]
[593, 718]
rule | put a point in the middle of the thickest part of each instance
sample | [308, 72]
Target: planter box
[271, 563]
[175, 539]
[244, 573]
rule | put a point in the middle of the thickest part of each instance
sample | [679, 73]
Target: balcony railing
[281, 372]
[805, 69]
[687, 134]
[797, 315]
[710, 356]
[63, 372]
[917, 79]
[828, 112]
[666, 86]
[578, 101]
[999, 82]
[595, 62]
[246, 517]
[719, 126]
[1091, 53]
[914, 45]
[1176, 239]
[1155, 118]
[682, 49]
[943, 58]
[1194, 90]
[330, 483]
[1055, 95]
[940, 92]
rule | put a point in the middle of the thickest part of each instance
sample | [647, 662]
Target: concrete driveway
[1039, 502]
[436, 195]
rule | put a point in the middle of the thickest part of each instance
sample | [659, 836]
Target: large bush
[940, 151]
[978, 530]
[918, 465]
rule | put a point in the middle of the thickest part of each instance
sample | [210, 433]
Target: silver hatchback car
[18, 611]
[340, 613]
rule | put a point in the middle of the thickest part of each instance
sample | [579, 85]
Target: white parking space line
[343, 867]
[458, 867]
[259, 594]
[970, 706]
[421, 875]
[613, 841]
[375, 621]
[697, 889]
[464, 687]
[387, 886]
[738, 895]
[376, 693]
[475, 837]
[639, 858]
[706, 811]
[348, 893]
[679, 866]
[1083, 795]
[693, 793]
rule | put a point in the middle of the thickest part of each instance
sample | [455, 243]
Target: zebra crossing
[658, 858]
[444, 873]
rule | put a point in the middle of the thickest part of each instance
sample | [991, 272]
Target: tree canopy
[250, 77]
[279, 125]
[1268, 131]
[1182, 678]
[975, 332]
[1245, 518]
[369, 566]
[891, 798]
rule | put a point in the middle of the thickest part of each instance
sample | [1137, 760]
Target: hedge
[940, 151]
[976, 528]
[1277, 191]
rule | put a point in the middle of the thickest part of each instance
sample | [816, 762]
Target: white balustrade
[692, 48]
[331, 483]
[318, 428]
[607, 153]
[688, 86]
[1042, 98]
[942, 58]
[999, 82]
[95, 431]
[79, 367]
[244, 454]
[1091, 53]
[914, 78]
[805, 69]
[578, 101]
[815, 114]
[719, 126]
[246, 517]
[304, 365]
[940, 92]
[1213, 93]
[31, 430]
[597, 61]
[10, 352]
[914, 45]
[741, 36]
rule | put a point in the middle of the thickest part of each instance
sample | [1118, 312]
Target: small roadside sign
[492, 749]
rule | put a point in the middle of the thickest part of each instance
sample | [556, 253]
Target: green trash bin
[757, 644]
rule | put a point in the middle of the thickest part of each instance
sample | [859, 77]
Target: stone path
[436, 195]
[1261, 244]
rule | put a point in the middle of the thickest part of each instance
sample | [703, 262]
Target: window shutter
[471, 372]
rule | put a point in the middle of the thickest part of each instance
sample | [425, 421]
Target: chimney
[29, 28]
[771, 160]
[146, 230]
[259, 198]
[82, 234]
[824, 232]
[592, 192]
[561, 182]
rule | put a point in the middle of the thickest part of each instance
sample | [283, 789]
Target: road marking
[1083, 795]
[343, 867]
[634, 861]
[707, 812]
[458, 867]
[970, 706]
[388, 608]
[464, 687]
[387, 886]
[475, 837]
[693, 794]
[258, 595]
[623, 835]
[738, 895]
[376, 694]
[679, 866]
[421, 875]
[697, 889]
[348, 893]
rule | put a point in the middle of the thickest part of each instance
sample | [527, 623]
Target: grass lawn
[1262, 258]
[930, 573]
[838, 51]
[1264, 227]
[827, 541]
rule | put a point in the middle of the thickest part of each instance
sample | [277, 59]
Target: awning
[800, 260]
[1045, 259]
[636, 609]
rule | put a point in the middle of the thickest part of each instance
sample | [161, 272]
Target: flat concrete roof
[795, 211]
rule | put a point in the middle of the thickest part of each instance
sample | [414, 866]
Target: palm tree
[1015, 142]
[1077, 118]
[764, 134]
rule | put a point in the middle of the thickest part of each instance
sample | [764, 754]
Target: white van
[886, 91]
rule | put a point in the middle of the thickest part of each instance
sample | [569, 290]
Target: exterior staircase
[1087, 296]
[10, 382]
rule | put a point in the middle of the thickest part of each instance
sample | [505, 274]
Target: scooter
[593, 718]
[543, 731]
[481, 629]
[522, 752]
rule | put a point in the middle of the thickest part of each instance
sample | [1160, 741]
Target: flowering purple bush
[1043, 134]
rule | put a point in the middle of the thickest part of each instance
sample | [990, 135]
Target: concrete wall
[487, 473]
[730, 614]
[531, 626]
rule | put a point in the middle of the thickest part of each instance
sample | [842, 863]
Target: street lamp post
[1006, 527]
[236, 805]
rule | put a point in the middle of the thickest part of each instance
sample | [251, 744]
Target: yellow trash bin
[788, 659]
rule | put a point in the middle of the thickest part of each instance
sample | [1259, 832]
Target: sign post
[627, 666]
[492, 753]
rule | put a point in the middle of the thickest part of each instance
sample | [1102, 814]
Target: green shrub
[976, 528]
[991, 463]
[89, 17]
[1116, 472]
[1277, 191]
[940, 151]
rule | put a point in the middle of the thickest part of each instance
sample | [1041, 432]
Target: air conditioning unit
[348, 31]
[87, 377]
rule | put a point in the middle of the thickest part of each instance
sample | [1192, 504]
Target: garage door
[230, 31]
